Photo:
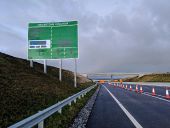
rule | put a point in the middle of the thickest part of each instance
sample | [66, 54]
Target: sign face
[54, 40]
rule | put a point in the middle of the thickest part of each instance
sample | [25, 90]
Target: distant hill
[24, 90]
[164, 77]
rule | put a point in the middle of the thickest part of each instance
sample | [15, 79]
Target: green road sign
[53, 40]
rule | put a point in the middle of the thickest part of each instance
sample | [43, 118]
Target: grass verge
[164, 77]
[65, 119]
[25, 90]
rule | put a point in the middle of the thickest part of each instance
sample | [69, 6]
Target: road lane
[133, 120]
[148, 111]
[107, 114]
[158, 90]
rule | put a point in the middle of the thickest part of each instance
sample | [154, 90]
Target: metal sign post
[111, 77]
[53, 40]
[31, 63]
[75, 74]
[60, 70]
[45, 66]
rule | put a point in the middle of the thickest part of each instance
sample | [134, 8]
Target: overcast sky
[114, 35]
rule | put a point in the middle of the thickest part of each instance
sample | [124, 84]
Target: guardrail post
[60, 111]
[82, 95]
[74, 100]
[41, 124]
[70, 104]
[79, 97]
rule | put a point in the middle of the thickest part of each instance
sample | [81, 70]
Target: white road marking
[132, 119]
[52, 26]
[156, 97]
[149, 94]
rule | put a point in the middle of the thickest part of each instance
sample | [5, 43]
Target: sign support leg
[31, 63]
[60, 71]
[75, 74]
[45, 66]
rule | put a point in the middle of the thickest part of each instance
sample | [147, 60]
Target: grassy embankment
[25, 90]
[164, 77]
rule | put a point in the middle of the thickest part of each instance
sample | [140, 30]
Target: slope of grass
[25, 90]
[165, 77]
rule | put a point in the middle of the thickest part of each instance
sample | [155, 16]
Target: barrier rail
[39, 117]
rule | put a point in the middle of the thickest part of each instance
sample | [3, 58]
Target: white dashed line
[156, 97]
[150, 94]
[132, 119]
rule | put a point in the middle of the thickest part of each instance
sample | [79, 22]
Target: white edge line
[132, 119]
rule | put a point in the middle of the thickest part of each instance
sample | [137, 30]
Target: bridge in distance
[97, 76]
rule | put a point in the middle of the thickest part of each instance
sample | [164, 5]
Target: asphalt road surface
[158, 90]
[119, 108]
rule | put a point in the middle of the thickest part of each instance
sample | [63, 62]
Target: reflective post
[41, 124]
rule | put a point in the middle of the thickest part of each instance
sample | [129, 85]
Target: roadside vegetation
[65, 119]
[164, 77]
[25, 90]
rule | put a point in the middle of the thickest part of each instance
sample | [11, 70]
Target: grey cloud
[120, 36]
